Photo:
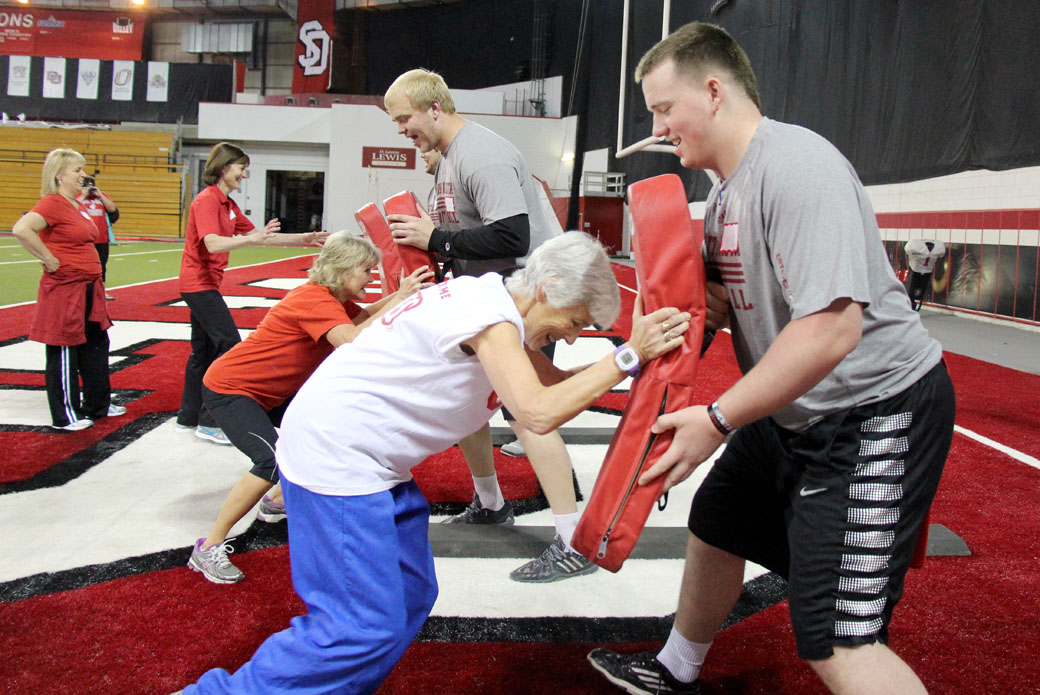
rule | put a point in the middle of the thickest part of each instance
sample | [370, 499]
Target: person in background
[216, 226]
[71, 318]
[103, 211]
[844, 414]
[485, 216]
[248, 387]
[921, 256]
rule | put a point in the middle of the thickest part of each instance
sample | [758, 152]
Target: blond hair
[342, 251]
[57, 161]
[422, 87]
[696, 46]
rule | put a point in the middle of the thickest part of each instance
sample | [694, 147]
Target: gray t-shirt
[483, 178]
[790, 232]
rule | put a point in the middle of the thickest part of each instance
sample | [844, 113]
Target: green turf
[129, 263]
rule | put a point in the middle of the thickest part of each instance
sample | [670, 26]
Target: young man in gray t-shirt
[485, 216]
[844, 414]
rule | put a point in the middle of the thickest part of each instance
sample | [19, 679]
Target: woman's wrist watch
[627, 360]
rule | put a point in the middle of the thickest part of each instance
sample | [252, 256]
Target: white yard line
[1013, 453]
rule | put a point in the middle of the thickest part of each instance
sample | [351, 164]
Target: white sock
[682, 657]
[565, 525]
[489, 492]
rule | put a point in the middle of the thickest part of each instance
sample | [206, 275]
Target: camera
[90, 186]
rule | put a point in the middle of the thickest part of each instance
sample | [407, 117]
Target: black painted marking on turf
[82, 461]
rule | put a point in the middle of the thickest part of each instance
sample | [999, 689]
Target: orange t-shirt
[211, 212]
[272, 363]
[69, 234]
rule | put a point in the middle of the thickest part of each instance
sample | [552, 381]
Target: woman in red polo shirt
[216, 226]
[71, 318]
[248, 388]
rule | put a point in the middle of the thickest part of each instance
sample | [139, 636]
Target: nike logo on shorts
[805, 492]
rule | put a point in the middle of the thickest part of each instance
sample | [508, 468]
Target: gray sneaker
[476, 514]
[514, 448]
[212, 434]
[555, 563]
[270, 511]
[214, 564]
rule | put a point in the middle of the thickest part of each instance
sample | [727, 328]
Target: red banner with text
[313, 66]
[65, 34]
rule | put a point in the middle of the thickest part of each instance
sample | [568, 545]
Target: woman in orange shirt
[248, 387]
[71, 318]
[216, 226]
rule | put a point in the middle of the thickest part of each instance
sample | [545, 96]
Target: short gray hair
[342, 251]
[577, 271]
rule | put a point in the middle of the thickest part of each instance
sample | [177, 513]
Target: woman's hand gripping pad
[404, 203]
[671, 273]
[375, 227]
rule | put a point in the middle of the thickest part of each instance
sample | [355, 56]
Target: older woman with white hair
[71, 318]
[431, 370]
[247, 389]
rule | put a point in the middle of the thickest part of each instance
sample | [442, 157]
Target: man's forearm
[509, 237]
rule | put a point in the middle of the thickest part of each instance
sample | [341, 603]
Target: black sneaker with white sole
[640, 674]
[476, 514]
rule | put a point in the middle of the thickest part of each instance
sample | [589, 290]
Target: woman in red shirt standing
[71, 318]
[216, 226]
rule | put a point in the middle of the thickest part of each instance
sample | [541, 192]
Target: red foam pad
[374, 225]
[671, 273]
[404, 203]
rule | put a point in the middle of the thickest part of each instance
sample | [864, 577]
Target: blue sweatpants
[364, 568]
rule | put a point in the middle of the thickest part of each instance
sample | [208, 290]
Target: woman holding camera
[103, 212]
[71, 318]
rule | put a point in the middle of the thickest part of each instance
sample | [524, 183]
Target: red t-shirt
[69, 234]
[272, 363]
[96, 209]
[211, 212]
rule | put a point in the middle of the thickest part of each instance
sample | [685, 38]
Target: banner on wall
[53, 78]
[87, 82]
[122, 80]
[18, 70]
[43, 32]
[158, 80]
[312, 69]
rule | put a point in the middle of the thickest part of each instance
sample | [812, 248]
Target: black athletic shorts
[835, 510]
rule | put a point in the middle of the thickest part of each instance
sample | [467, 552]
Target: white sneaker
[116, 410]
[514, 448]
[183, 428]
[75, 425]
[212, 434]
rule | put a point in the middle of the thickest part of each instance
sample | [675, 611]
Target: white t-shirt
[401, 391]
[920, 257]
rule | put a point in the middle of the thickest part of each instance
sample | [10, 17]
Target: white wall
[968, 190]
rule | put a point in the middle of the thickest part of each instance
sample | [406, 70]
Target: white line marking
[1013, 453]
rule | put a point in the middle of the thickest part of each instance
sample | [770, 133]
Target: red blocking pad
[412, 258]
[374, 225]
[671, 273]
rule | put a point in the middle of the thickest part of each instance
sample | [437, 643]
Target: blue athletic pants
[364, 568]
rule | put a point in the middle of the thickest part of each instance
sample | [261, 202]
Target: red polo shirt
[211, 212]
[69, 235]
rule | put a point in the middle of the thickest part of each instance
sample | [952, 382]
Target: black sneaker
[639, 674]
[475, 514]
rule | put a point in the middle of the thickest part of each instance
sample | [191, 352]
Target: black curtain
[906, 90]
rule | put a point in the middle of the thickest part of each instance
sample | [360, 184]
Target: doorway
[296, 198]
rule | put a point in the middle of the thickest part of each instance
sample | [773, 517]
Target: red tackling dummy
[404, 203]
[671, 273]
[374, 225]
